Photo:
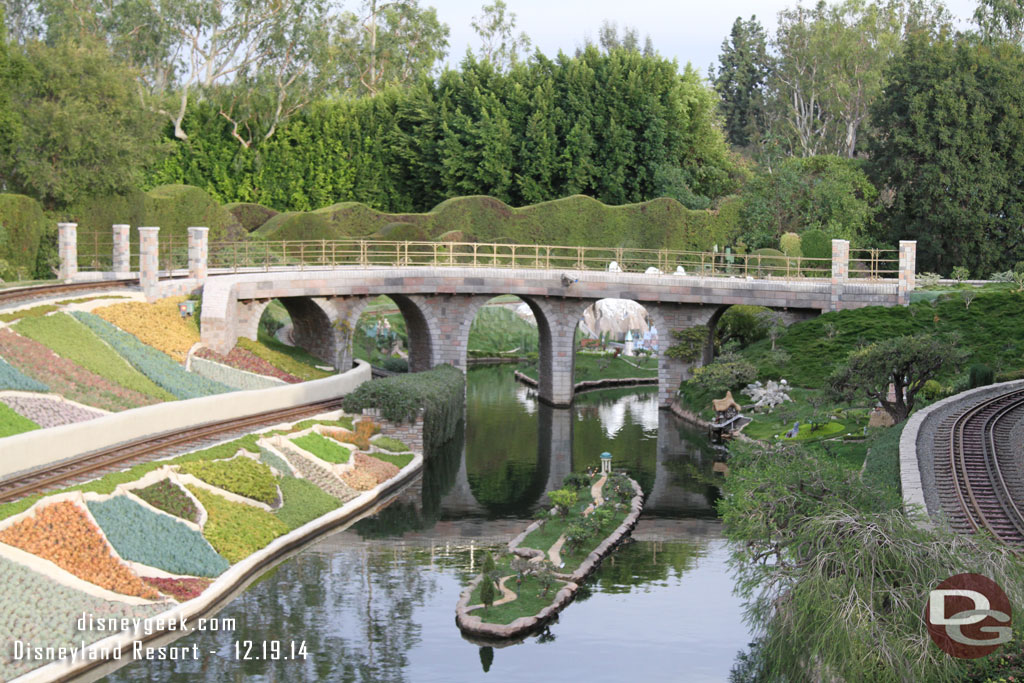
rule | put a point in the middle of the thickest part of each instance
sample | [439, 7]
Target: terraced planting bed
[525, 588]
[102, 551]
[45, 411]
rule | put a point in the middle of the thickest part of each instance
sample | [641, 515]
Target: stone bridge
[440, 302]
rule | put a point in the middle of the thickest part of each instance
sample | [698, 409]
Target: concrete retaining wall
[43, 447]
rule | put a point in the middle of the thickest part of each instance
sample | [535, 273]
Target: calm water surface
[376, 602]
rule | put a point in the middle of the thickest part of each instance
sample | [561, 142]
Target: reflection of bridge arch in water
[681, 469]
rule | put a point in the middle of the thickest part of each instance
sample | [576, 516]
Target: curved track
[21, 294]
[979, 472]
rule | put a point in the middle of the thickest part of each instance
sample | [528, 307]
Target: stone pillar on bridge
[345, 317]
[557, 319]
[840, 272]
[67, 248]
[122, 249]
[149, 253]
[198, 250]
[908, 266]
[448, 318]
[669, 318]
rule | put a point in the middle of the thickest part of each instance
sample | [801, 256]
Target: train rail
[979, 472]
[94, 464]
[16, 295]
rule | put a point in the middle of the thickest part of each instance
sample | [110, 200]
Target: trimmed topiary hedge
[440, 392]
[241, 475]
[144, 536]
[22, 228]
[154, 364]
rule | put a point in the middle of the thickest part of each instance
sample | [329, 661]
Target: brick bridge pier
[440, 302]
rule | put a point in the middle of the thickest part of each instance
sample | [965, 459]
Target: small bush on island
[563, 500]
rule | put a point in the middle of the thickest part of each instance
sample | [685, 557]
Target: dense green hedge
[577, 220]
[22, 228]
[440, 392]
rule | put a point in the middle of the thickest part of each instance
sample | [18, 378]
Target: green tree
[487, 592]
[905, 362]
[949, 133]
[825, 192]
[80, 130]
[496, 28]
[1000, 20]
[744, 66]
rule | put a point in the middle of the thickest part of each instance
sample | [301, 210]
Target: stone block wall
[67, 248]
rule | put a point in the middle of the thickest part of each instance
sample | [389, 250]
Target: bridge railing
[875, 264]
[327, 253]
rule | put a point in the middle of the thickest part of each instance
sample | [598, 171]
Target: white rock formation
[680, 270]
[652, 271]
[767, 396]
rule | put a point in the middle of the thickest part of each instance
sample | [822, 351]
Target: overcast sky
[687, 30]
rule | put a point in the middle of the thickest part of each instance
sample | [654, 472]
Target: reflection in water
[376, 602]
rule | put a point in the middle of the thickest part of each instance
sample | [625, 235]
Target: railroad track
[91, 465]
[19, 294]
[978, 471]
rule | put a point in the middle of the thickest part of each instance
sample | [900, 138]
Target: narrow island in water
[523, 589]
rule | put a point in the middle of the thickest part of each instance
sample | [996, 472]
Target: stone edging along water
[474, 626]
[916, 476]
[233, 579]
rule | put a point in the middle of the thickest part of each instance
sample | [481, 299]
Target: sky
[687, 30]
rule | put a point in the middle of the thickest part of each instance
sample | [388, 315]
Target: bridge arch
[557, 320]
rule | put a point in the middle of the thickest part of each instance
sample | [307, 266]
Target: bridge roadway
[439, 304]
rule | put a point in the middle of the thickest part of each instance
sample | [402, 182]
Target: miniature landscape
[142, 541]
[544, 565]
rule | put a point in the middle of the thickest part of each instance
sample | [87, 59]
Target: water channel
[376, 602]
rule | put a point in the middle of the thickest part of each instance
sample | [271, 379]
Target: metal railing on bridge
[238, 256]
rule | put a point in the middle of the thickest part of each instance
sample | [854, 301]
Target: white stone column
[198, 249]
[908, 266]
[122, 249]
[149, 252]
[67, 248]
[840, 272]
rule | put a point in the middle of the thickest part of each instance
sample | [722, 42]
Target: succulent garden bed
[541, 572]
[48, 412]
[388, 443]
[12, 378]
[152, 363]
[158, 325]
[236, 530]
[167, 496]
[242, 476]
[66, 377]
[179, 589]
[323, 448]
[35, 608]
[150, 538]
[399, 460]
[62, 533]
[242, 359]
[381, 471]
[304, 501]
[70, 339]
[322, 478]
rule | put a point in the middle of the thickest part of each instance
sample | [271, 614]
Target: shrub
[440, 392]
[389, 444]
[981, 375]
[933, 390]
[325, 449]
[150, 362]
[743, 324]
[789, 243]
[62, 533]
[392, 364]
[304, 501]
[960, 273]
[23, 227]
[563, 500]
[167, 496]
[726, 373]
[144, 536]
[242, 476]
[65, 377]
[814, 243]
[72, 340]
[574, 481]
[13, 423]
[237, 530]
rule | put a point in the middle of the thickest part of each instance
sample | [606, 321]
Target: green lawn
[326, 449]
[530, 600]
[591, 367]
[12, 422]
[291, 359]
[399, 460]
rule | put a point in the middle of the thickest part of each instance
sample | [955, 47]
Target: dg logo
[968, 616]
